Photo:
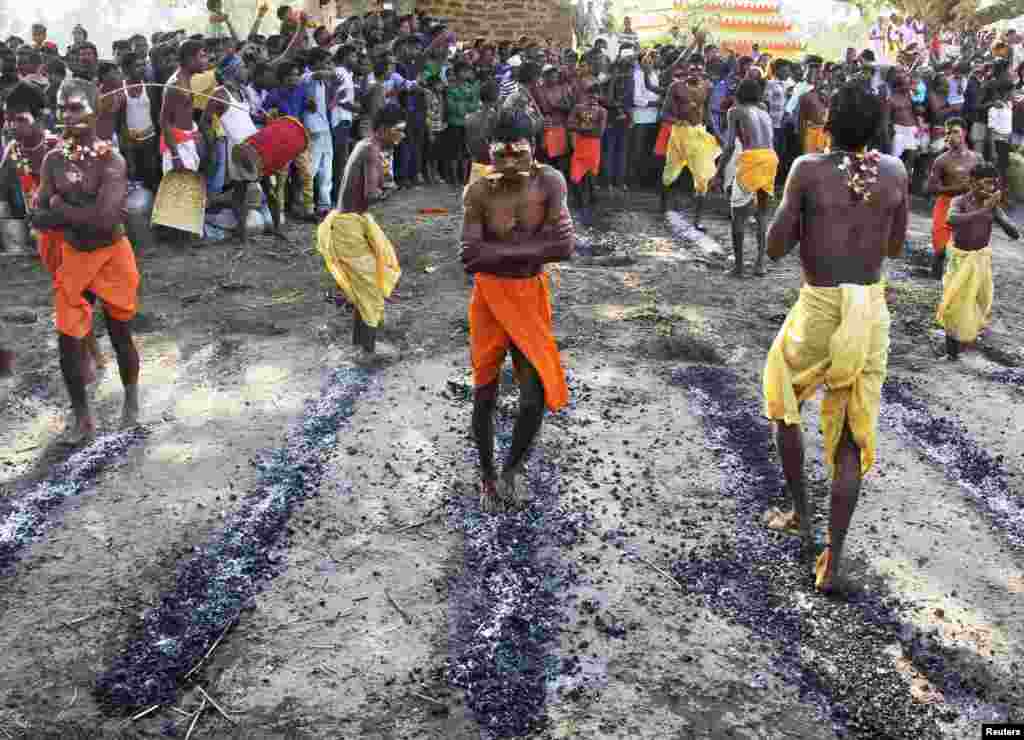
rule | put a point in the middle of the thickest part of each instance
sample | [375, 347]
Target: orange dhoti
[515, 311]
[109, 273]
[555, 141]
[942, 232]
[50, 243]
[586, 158]
[664, 133]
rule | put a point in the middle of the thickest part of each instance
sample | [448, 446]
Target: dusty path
[297, 537]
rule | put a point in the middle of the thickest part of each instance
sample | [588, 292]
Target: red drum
[272, 149]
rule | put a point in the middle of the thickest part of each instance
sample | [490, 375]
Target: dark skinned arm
[785, 230]
[43, 217]
[728, 146]
[166, 127]
[106, 211]
[553, 242]
[935, 186]
[1007, 225]
[958, 213]
[898, 235]
[255, 30]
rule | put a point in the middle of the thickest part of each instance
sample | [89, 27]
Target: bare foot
[513, 492]
[129, 416]
[489, 501]
[130, 411]
[824, 572]
[786, 523]
[82, 433]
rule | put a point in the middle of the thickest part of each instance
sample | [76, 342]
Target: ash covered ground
[292, 547]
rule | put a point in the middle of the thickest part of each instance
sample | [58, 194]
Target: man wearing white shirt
[1000, 126]
[342, 111]
[645, 119]
[318, 127]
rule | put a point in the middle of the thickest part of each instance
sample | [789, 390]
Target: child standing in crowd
[437, 124]
[463, 99]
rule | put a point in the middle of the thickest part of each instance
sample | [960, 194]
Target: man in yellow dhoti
[837, 334]
[355, 249]
[690, 146]
[750, 136]
[967, 293]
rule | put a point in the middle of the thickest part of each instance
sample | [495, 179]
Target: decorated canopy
[732, 24]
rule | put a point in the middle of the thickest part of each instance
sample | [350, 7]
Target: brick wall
[495, 20]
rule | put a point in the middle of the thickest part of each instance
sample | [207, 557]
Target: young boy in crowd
[463, 99]
[437, 124]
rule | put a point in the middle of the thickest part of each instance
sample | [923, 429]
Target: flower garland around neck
[17, 157]
[75, 152]
[861, 170]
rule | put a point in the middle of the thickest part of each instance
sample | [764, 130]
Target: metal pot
[15, 237]
[138, 206]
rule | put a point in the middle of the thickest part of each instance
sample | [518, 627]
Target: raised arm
[786, 228]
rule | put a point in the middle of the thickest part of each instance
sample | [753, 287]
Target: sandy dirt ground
[290, 547]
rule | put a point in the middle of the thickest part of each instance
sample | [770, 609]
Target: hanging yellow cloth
[839, 338]
[756, 170]
[966, 305]
[694, 148]
[361, 259]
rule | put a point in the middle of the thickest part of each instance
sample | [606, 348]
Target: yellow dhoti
[694, 148]
[816, 139]
[361, 259]
[756, 170]
[966, 305]
[839, 338]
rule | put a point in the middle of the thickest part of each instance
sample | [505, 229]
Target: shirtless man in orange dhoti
[29, 143]
[81, 198]
[512, 226]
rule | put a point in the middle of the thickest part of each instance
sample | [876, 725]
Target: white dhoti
[188, 149]
[904, 139]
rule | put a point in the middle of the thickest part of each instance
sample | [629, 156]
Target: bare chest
[509, 210]
[78, 182]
